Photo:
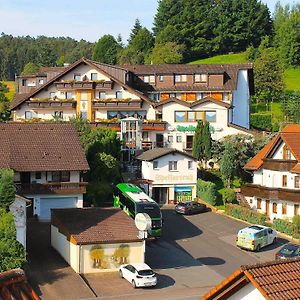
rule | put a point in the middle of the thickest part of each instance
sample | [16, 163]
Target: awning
[183, 189]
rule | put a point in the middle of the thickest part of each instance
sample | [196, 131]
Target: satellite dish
[142, 221]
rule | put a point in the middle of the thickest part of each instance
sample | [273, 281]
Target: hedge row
[207, 191]
[245, 214]
[262, 121]
[286, 227]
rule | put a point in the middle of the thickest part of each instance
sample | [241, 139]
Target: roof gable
[160, 152]
[27, 147]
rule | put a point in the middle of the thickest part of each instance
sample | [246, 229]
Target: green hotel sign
[191, 128]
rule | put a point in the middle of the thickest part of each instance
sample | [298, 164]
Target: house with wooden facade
[168, 99]
[48, 163]
[275, 190]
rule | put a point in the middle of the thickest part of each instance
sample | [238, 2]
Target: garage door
[47, 203]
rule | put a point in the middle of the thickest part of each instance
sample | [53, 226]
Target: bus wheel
[257, 247]
[121, 274]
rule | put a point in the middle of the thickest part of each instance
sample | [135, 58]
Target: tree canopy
[7, 190]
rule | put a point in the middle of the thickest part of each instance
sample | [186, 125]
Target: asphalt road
[194, 254]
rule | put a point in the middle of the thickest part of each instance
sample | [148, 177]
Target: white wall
[274, 179]
[279, 153]
[67, 250]
[248, 292]
[241, 100]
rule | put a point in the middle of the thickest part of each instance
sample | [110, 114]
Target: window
[146, 78]
[170, 139]
[119, 95]
[296, 209]
[41, 81]
[152, 79]
[101, 95]
[154, 96]
[190, 165]
[297, 182]
[52, 95]
[284, 208]
[155, 164]
[191, 116]
[274, 208]
[28, 115]
[258, 203]
[198, 96]
[83, 115]
[161, 77]
[172, 165]
[179, 138]
[77, 77]
[197, 78]
[180, 77]
[58, 114]
[210, 116]
[284, 180]
[38, 175]
[61, 176]
[203, 77]
[94, 76]
[24, 82]
[179, 116]
[145, 135]
[287, 153]
[69, 95]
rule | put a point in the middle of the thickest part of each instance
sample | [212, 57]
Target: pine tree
[134, 31]
[7, 189]
[227, 164]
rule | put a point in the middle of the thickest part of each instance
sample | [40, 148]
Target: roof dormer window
[203, 77]
[180, 78]
[149, 78]
[77, 77]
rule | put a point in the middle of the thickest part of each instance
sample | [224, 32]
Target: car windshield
[151, 209]
[145, 272]
[288, 250]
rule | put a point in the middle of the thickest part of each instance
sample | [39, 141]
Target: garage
[58, 202]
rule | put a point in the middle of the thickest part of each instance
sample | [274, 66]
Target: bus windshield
[152, 210]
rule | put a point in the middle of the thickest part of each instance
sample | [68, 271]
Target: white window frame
[190, 165]
[172, 165]
[30, 113]
[155, 165]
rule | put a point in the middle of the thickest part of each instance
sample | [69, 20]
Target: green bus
[133, 200]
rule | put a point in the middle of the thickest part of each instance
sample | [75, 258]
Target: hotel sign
[192, 128]
[174, 178]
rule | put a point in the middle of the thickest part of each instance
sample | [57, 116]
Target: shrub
[207, 191]
[237, 182]
[286, 227]
[296, 222]
[245, 214]
[261, 121]
[229, 196]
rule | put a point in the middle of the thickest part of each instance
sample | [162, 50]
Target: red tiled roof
[275, 280]
[95, 225]
[27, 147]
[14, 286]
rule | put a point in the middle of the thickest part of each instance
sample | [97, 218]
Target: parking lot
[195, 253]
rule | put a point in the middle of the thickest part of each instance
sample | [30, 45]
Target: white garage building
[48, 161]
[94, 240]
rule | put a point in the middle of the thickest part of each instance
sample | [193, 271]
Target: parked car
[255, 237]
[288, 251]
[139, 275]
[190, 207]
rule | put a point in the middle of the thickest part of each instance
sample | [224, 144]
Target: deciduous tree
[7, 190]
[106, 50]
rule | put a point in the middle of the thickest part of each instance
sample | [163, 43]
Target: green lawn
[292, 79]
[235, 58]
[12, 89]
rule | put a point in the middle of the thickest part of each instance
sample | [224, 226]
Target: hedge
[245, 214]
[261, 121]
[286, 227]
[229, 196]
[207, 191]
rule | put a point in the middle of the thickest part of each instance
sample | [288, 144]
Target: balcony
[118, 103]
[51, 103]
[154, 125]
[52, 188]
[279, 164]
[103, 85]
[147, 125]
[83, 85]
[269, 193]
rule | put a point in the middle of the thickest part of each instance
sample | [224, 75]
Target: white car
[139, 275]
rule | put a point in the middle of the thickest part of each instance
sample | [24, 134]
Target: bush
[296, 222]
[262, 121]
[245, 214]
[207, 191]
[229, 196]
[286, 227]
[236, 182]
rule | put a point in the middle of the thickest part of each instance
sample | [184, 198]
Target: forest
[183, 30]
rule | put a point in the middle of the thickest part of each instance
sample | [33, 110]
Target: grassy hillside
[291, 75]
[235, 58]
[12, 89]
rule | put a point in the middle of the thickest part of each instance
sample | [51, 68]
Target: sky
[79, 19]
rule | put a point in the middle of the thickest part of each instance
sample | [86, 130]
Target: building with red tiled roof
[47, 160]
[14, 286]
[169, 99]
[276, 176]
[95, 240]
[275, 280]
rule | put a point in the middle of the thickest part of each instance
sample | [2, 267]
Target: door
[159, 140]
[60, 202]
[267, 207]
[25, 177]
[189, 141]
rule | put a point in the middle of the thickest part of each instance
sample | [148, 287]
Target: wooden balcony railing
[86, 85]
[52, 188]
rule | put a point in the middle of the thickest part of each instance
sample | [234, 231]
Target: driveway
[51, 277]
